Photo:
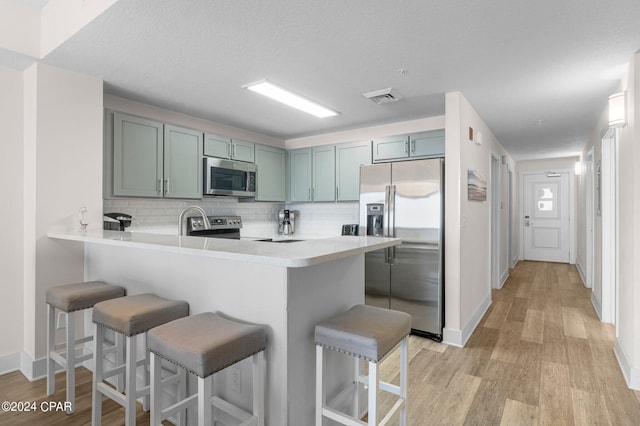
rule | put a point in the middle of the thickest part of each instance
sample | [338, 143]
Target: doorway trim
[496, 282]
[609, 209]
[589, 220]
[572, 205]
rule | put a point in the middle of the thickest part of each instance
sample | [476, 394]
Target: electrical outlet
[61, 322]
[236, 379]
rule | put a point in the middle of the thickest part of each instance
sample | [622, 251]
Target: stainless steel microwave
[226, 177]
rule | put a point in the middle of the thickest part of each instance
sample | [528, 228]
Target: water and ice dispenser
[375, 218]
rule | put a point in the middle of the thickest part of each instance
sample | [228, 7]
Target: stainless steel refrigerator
[406, 200]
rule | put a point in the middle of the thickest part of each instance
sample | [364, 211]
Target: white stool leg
[404, 369]
[356, 394]
[51, 346]
[130, 401]
[319, 385]
[96, 402]
[373, 393]
[182, 394]
[145, 374]
[120, 349]
[259, 381]
[71, 361]
[205, 392]
[156, 391]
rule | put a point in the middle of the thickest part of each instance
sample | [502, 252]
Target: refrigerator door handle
[391, 203]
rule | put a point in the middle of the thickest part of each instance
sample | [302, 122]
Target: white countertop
[294, 255]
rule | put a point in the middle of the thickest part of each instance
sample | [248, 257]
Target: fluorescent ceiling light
[270, 90]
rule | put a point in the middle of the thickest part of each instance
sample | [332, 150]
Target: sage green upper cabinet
[242, 151]
[391, 148]
[223, 147]
[416, 145]
[427, 144]
[299, 174]
[155, 160]
[271, 183]
[349, 158]
[182, 163]
[217, 146]
[324, 173]
[137, 156]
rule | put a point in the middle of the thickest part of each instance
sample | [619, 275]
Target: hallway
[539, 356]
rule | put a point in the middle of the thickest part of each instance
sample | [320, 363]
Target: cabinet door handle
[159, 186]
[228, 150]
[406, 147]
[166, 186]
[337, 193]
[234, 151]
[313, 194]
[413, 146]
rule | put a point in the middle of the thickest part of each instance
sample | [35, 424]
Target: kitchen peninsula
[287, 287]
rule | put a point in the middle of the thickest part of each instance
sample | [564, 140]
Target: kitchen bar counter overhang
[287, 288]
[294, 255]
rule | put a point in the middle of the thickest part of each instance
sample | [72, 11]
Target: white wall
[11, 176]
[19, 28]
[368, 133]
[468, 223]
[628, 340]
[62, 173]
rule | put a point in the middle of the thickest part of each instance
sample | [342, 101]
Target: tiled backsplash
[324, 218]
[258, 219]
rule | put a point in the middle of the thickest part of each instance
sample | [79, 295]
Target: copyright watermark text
[44, 406]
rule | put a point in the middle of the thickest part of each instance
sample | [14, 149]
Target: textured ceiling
[516, 61]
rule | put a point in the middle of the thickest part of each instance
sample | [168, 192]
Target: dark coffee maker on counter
[116, 221]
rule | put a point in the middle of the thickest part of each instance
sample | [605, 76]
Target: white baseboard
[514, 262]
[33, 369]
[452, 337]
[504, 277]
[581, 273]
[9, 363]
[631, 374]
[596, 306]
[459, 338]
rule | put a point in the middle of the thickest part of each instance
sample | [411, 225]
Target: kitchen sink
[285, 240]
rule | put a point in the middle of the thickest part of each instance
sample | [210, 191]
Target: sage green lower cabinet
[299, 161]
[182, 163]
[271, 174]
[137, 156]
[349, 157]
[323, 173]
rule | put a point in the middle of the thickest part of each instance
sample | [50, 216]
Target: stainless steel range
[221, 227]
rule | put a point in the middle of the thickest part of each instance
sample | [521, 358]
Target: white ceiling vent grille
[383, 96]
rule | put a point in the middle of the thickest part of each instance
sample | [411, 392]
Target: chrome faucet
[181, 219]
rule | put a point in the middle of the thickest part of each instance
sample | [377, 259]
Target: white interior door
[546, 217]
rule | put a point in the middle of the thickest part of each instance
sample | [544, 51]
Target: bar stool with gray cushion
[370, 333]
[71, 299]
[204, 344]
[131, 316]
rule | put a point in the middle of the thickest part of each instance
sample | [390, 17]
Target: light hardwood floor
[539, 356]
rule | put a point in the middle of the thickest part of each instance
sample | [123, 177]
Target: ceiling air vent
[383, 96]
